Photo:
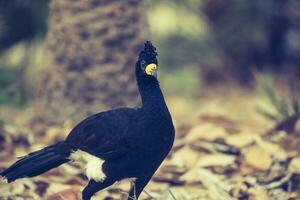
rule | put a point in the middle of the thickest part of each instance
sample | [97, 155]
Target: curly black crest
[149, 53]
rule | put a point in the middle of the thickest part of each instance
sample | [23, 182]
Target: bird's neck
[151, 94]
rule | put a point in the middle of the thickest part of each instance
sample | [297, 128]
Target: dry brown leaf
[155, 186]
[54, 133]
[280, 194]
[173, 169]
[72, 193]
[257, 157]
[239, 191]
[208, 132]
[216, 134]
[185, 157]
[174, 193]
[258, 193]
[191, 177]
[273, 149]
[56, 187]
[240, 140]
[71, 169]
[172, 179]
[294, 166]
[216, 160]
[178, 144]
[197, 192]
[297, 126]
[19, 152]
[214, 147]
[216, 185]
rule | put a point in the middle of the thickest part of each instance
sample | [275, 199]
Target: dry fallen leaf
[191, 177]
[185, 157]
[72, 193]
[216, 185]
[216, 160]
[273, 149]
[297, 126]
[240, 140]
[208, 132]
[258, 193]
[216, 156]
[257, 157]
[294, 166]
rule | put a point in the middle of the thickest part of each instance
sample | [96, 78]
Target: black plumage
[131, 142]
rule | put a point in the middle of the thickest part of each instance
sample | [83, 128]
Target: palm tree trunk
[92, 47]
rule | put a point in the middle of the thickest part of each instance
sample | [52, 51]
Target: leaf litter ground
[224, 150]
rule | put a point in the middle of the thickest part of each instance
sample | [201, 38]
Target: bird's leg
[137, 187]
[93, 187]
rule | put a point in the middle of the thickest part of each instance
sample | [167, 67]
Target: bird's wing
[104, 134]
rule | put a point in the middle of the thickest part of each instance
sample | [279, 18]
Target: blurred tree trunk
[279, 25]
[251, 35]
[92, 47]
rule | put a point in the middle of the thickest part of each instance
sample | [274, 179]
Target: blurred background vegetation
[202, 44]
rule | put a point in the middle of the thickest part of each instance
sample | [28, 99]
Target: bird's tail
[38, 162]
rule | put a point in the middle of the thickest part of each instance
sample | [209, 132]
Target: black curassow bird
[116, 144]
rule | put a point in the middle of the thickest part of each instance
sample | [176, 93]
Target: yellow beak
[151, 69]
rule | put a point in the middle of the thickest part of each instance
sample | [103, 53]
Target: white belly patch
[92, 163]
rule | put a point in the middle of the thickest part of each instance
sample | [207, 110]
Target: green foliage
[183, 81]
[12, 84]
[283, 106]
[178, 33]
[12, 91]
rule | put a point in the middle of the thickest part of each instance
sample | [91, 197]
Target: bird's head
[147, 62]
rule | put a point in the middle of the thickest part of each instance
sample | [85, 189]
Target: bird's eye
[143, 63]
